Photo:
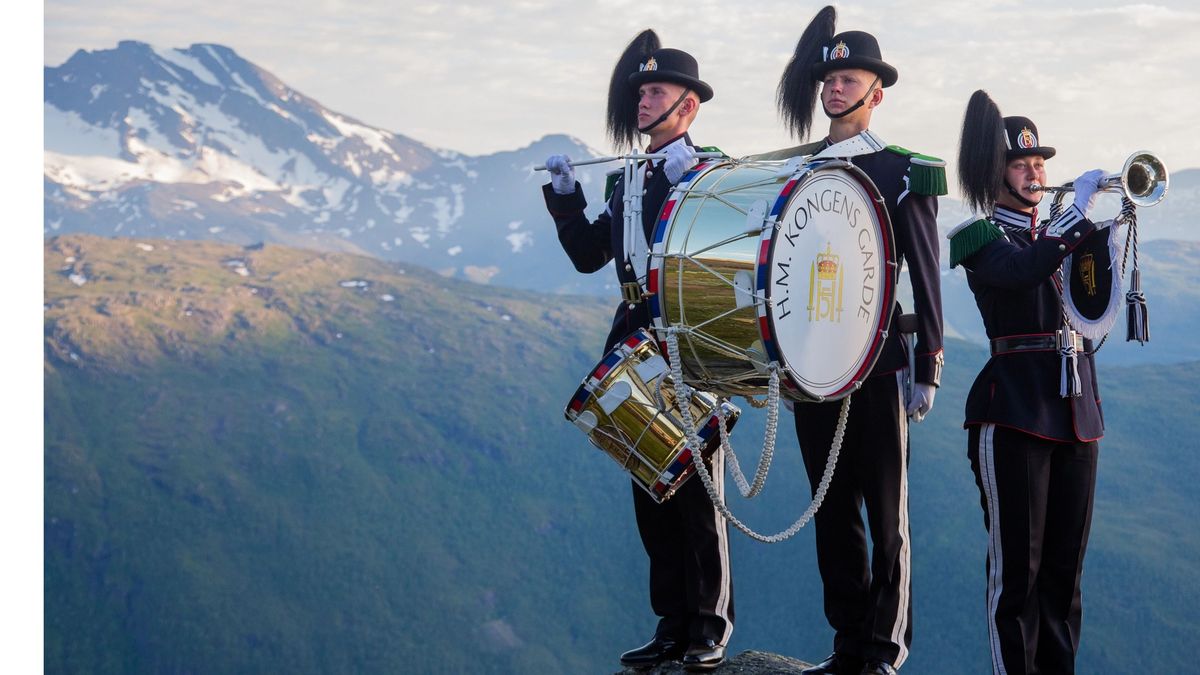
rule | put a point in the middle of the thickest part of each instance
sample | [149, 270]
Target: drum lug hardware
[756, 216]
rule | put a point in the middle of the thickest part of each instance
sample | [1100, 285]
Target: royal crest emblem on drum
[825, 283]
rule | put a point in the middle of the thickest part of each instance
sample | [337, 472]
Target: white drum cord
[683, 394]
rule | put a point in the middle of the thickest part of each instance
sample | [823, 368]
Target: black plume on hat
[1021, 139]
[797, 92]
[981, 156]
[623, 99]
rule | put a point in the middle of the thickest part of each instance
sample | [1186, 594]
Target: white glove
[922, 401]
[562, 176]
[1086, 188]
[680, 158]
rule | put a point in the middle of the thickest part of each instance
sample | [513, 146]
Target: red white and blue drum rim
[610, 360]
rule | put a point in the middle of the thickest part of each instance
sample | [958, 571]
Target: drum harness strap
[637, 249]
[863, 143]
[683, 393]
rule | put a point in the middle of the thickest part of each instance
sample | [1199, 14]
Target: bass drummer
[868, 600]
[656, 92]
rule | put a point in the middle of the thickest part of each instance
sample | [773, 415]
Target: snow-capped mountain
[202, 144]
[199, 143]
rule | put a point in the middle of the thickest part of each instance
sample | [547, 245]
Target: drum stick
[617, 158]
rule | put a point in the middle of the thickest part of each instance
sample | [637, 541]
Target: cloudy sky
[1100, 78]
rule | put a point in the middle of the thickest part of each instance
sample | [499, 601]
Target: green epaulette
[971, 236]
[611, 178]
[610, 183]
[926, 173]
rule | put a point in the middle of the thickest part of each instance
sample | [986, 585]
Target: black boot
[653, 652]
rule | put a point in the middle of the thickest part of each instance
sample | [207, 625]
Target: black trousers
[867, 597]
[687, 540]
[1037, 497]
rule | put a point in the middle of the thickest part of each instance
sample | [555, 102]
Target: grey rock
[748, 662]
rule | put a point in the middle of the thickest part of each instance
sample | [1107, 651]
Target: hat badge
[650, 64]
[1026, 139]
[839, 51]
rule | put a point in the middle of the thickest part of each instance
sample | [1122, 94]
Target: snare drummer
[656, 92]
[868, 600]
[1033, 414]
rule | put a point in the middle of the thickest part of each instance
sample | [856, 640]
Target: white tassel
[1068, 381]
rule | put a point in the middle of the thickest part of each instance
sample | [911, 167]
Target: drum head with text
[829, 277]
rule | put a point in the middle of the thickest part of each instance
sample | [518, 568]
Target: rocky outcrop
[748, 662]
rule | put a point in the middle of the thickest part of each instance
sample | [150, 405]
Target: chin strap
[862, 101]
[663, 117]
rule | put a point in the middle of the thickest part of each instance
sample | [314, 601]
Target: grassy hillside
[278, 460]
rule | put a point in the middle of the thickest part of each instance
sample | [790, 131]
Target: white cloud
[1083, 71]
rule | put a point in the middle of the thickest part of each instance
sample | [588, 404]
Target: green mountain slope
[278, 460]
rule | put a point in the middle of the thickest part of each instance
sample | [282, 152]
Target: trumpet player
[1033, 414]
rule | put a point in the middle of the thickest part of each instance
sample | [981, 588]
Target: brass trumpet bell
[1143, 180]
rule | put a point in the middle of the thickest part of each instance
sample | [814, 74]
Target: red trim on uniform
[970, 423]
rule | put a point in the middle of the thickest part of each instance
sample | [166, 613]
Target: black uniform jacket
[914, 227]
[1016, 282]
[591, 245]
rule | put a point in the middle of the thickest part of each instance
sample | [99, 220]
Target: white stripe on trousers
[722, 528]
[987, 478]
[900, 625]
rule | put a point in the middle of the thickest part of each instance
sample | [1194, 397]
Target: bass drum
[765, 263]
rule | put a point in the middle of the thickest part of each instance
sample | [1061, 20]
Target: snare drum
[617, 406]
[773, 262]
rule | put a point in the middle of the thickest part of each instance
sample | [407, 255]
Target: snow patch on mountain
[188, 63]
[66, 133]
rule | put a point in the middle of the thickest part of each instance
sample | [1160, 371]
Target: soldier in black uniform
[868, 599]
[656, 92]
[1033, 414]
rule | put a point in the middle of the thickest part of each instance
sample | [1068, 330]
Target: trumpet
[1143, 180]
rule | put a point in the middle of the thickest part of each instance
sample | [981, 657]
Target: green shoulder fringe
[611, 178]
[971, 236]
[610, 183]
[926, 173]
